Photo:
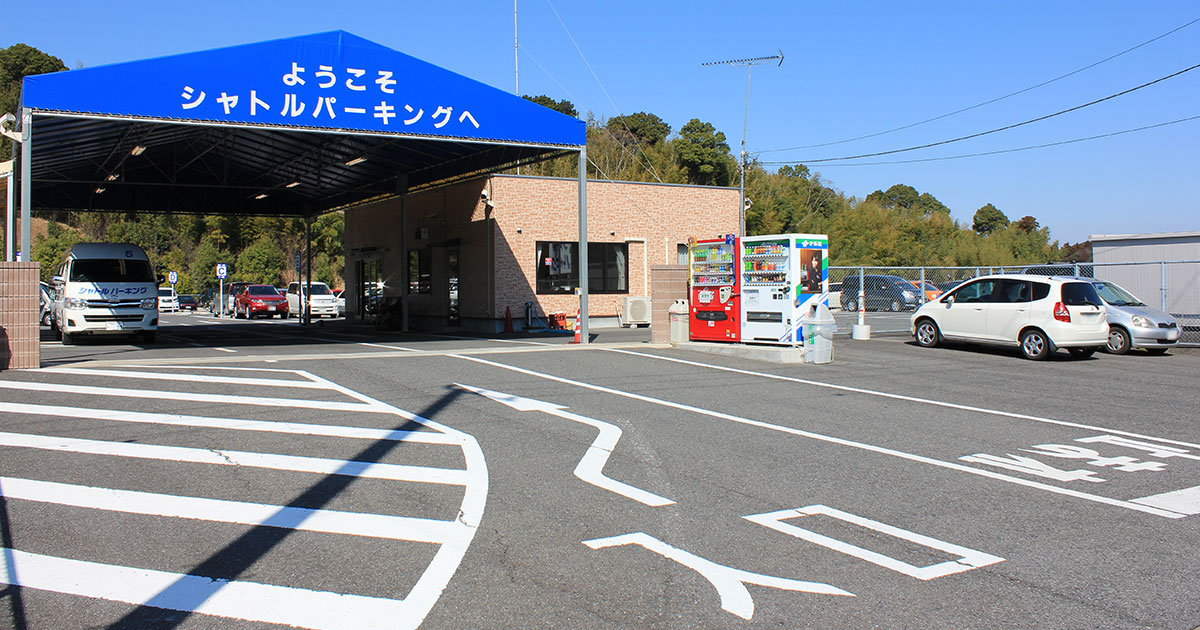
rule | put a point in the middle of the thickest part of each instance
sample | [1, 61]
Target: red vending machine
[715, 308]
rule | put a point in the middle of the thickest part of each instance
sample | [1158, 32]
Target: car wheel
[150, 336]
[1118, 340]
[1035, 345]
[850, 305]
[1156, 351]
[1081, 353]
[928, 334]
[46, 318]
[895, 306]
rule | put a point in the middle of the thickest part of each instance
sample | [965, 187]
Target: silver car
[1132, 324]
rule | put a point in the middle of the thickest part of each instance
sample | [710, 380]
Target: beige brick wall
[19, 310]
[652, 219]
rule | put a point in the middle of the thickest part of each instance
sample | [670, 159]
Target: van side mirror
[57, 279]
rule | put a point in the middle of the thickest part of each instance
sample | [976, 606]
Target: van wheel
[1035, 345]
[1118, 340]
[67, 338]
[150, 336]
[850, 305]
[57, 331]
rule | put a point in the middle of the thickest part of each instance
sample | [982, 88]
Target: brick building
[471, 256]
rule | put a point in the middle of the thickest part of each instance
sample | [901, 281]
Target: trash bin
[678, 315]
[819, 327]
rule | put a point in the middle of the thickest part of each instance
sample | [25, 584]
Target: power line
[994, 100]
[999, 129]
[985, 153]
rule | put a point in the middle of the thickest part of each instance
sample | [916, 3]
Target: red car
[259, 299]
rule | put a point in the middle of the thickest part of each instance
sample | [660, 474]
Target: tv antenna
[748, 63]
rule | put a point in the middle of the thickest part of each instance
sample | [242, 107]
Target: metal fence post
[862, 296]
[922, 288]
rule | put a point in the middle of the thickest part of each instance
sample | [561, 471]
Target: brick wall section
[667, 284]
[498, 266]
[19, 310]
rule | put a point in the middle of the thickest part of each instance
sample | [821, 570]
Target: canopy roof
[294, 126]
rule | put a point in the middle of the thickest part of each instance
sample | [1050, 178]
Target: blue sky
[850, 69]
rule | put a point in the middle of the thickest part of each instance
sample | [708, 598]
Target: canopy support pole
[306, 288]
[583, 248]
[26, 176]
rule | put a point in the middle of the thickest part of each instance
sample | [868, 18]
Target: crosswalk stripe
[220, 510]
[238, 424]
[394, 472]
[195, 397]
[304, 608]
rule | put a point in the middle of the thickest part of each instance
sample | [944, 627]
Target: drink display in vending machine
[782, 276]
[714, 310]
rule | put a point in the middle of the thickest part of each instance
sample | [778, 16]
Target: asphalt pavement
[263, 474]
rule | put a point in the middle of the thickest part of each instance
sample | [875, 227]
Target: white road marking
[225, 350]
[729, 582]
[250, 601]
[319, 465]
[188, 378]
[591, 467]
[835, 440]
[1186, 501]
[924, 401]
[969, 558]
[167, 505]
[217, 398]
[328, 430]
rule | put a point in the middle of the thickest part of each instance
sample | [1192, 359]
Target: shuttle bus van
[105, 289]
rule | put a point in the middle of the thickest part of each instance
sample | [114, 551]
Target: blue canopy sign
[333, 81]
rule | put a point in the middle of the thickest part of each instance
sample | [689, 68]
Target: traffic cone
[508, 328]
[576, 340]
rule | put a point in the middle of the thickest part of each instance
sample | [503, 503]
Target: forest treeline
[896, 226]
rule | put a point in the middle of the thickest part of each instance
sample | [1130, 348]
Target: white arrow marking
[729, 582]
[591, 467]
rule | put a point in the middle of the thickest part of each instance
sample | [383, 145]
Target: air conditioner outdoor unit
[635, 310]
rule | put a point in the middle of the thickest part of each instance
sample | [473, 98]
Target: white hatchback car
[1038, 314]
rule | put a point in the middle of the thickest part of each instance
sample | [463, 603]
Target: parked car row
[1041, 314]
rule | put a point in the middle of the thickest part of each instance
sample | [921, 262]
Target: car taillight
[1061, 313]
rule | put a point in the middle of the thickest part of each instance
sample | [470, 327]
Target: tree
[17, 62]
[645, 129]
[261, 262]
[51, 249]
[988, 220]
[1027, 224]
[898, 196]
[1079, 252]
[563, 107]
[203, 266]
[701, 150]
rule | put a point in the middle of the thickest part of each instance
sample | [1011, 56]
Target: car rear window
[262, 290]
[1079, 294]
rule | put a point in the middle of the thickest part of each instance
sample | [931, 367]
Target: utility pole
[749, 63]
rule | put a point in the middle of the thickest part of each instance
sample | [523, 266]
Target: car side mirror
[949, 300]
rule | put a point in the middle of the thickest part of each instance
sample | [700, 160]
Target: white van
[104, 289]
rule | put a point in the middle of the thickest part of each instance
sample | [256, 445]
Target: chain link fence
[892, 293]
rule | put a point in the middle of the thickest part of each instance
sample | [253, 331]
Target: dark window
[1040, 290]
[418, 272]
[262, 290]
[558, 267]
[110, 270]
[1013, 291]
[979, 291]
[1079, 294]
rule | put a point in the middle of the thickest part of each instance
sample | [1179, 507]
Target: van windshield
[110, 270]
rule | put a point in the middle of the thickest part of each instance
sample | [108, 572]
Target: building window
[558, 268]
[418, 271]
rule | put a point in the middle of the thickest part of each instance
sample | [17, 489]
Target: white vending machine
[782, 277]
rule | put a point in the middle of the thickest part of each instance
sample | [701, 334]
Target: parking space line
[194, 397]
[237, 424]
[191, 378]
[318, 465]
[241, 512]
[836, 440]
[924, 401]
[303, 608]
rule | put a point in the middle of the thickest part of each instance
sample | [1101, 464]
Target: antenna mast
[748, 63]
